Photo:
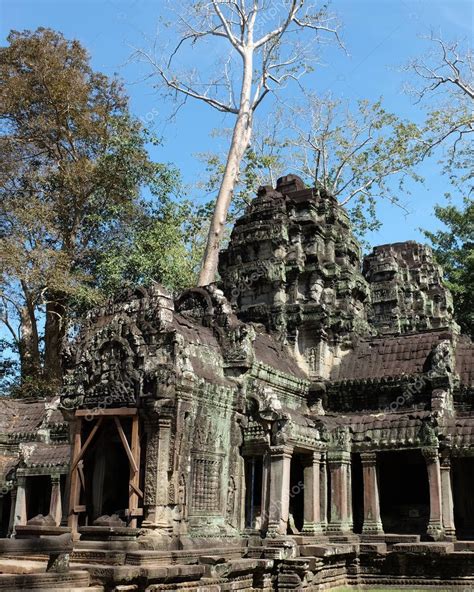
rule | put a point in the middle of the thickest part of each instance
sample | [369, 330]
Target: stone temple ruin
[306, 423]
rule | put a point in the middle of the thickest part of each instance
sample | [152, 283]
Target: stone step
[185, 556]
[45, 581]
[390, 539]
[429, 548]
[107, 545]
[328, 550]
[81, 589]
[379, 548]
[464, 546]
[271, 552]
[20, 565]
[102, 556]
[150, 573]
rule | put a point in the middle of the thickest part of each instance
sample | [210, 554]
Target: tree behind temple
[72, 163]
[454, 250]
[262, 47]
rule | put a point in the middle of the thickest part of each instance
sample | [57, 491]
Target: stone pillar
[312, 485]
[156, 503]
[339, 462]
[447, 498]
[11, 521]
[280, 459]
[435, 526]
[20, 516]
[55, 504]
[266, 501]
[372, 519]
[350, 522]
[323, 492]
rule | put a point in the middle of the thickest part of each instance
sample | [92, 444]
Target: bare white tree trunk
[239, 144]
[268, 62]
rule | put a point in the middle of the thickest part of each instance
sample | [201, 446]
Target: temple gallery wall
[304, 423]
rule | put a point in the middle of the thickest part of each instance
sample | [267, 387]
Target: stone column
[435, 526]
[55, 504]
[312, 485]
[323, 492]
[11, 521]
[339, 462]
[266, 501]
[372, 519]
[156, 503]
[350, 522]
[280, 459]
[447, 498]
[20, 517]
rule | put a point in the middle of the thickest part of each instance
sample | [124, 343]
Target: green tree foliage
[73, 164]
[361, 155]
[444, 84]
[454, 250]
[165, 243]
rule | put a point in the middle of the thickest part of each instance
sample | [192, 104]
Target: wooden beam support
[74, 487]
[80, 470]
[123, 437]
[120, 411]
[87, 442]
[135, 492]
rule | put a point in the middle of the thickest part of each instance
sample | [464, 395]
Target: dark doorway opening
[357, 482]
[463, 486]
[253, 492]
[296, 505]
[38, 495]
[6, 503]
[404, 492]
[107, 473]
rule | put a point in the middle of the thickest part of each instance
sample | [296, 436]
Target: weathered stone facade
[305, 423]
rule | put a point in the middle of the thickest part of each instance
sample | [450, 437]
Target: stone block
[327, 550]
[379, 548]
[436, 548]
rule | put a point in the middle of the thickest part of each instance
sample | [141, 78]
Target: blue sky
[380, 36]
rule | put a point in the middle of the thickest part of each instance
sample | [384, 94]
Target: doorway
[404, 492]
[296, 505]
[463, 486]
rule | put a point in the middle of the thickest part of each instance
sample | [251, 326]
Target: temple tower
[293, 264]
[407, 291]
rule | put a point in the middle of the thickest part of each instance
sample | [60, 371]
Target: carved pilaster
[435, 526]
[338, 463]
[323, 492]
[280, 459]
[447, 497]
[20, 515]
[55, 505]
[11, 521]
[157, 510]
[372, 520]
[312, 516]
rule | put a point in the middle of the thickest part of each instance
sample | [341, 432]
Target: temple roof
[39, 454]
[391, 356]
[7, 464]
[18, 416]
[272, 352]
